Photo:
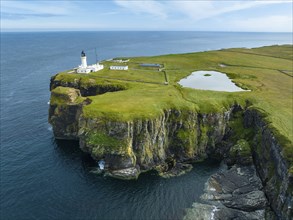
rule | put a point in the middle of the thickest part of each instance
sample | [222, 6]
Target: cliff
[272, 168]
[131, 147]
[141, 144]
[135, 127]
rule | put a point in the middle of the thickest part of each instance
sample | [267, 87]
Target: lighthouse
[83, 60]
[84, 68]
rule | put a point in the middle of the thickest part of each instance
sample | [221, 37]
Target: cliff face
[147, 143]
[129, 147]
[271, 166]
[139, 144]
[64, 112]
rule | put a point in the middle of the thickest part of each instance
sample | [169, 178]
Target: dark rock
[231, 214]
[177, 170]
[232, 194]
[201, 211]
[116, 162]
[125, 174]
[251, 201]
[64, 120]
[240, 153]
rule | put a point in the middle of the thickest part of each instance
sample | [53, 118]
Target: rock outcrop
[86, 87]
[234, 193]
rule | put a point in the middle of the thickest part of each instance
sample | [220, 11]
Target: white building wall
[83, 70]
[83, 62]
[118, 67]
[91, 68]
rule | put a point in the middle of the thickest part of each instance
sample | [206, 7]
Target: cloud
[109, 13]
[279, 23]
[148, 15]
[36, 8]
[195, 10]
[20, 16]
[39, 15]
[199, 10]
[150, 7]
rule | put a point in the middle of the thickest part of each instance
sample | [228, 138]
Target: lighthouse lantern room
[83, 60]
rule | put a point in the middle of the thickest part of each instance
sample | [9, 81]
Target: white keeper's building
[118, 67]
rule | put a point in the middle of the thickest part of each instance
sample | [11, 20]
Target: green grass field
[266, 71]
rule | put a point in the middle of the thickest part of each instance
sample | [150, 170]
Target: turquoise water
[46, 179]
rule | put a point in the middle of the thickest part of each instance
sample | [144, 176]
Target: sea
[42, 178]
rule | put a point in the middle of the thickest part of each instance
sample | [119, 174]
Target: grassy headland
[266, 71]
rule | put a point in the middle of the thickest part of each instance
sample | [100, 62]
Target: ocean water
[42, 178]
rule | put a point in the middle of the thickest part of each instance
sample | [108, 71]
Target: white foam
[213, 212]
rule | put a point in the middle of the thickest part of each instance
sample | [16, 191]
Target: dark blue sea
[42, 178]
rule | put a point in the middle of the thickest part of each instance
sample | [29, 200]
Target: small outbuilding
[118, 67]
[120, 60]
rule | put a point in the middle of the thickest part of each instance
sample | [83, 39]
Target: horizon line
[54, 30]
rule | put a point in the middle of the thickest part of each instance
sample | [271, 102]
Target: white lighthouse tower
[84, 68]
[83, 60]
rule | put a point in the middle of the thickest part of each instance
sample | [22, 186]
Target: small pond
[210, 80]
[150, 65]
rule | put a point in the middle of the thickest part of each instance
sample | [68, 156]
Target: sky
[173, 15]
